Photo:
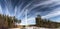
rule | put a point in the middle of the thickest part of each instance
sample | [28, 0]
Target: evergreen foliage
[46, 23]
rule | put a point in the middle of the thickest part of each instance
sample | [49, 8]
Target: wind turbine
[26, 17]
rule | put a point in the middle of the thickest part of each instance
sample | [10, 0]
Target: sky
[49, 9]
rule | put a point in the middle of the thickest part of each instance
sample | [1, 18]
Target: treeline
[8, 21]
[46, 23]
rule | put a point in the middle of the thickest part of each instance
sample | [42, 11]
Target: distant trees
[9, 20]
[46, 23]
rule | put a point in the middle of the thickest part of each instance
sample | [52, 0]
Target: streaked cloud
[53, 13]
[46, 8]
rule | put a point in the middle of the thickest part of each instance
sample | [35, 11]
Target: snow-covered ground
[34, 28]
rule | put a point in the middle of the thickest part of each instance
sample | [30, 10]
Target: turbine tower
[26, 17]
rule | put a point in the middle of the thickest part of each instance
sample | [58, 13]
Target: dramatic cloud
[53, 13]
[45, 8]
